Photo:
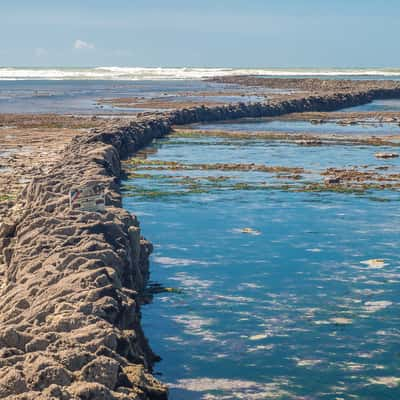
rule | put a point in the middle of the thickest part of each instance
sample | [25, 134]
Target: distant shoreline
[185, 73]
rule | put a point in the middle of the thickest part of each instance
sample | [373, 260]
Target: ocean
[79, 90]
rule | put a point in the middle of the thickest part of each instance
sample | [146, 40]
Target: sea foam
[184, 73]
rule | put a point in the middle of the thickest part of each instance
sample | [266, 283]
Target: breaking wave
[139, 74]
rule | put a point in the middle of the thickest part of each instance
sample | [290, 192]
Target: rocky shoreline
[70, 299]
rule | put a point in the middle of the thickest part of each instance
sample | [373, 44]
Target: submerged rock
[332, 180]
[341, 321]
[250, 231]
[386, 155]
[309, 142]
[374, 263]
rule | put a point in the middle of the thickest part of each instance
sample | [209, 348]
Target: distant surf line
[183, 73]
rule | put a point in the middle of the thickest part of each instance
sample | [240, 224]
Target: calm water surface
[294, 309]
[300, 127]
[377, 105]
[81, 96]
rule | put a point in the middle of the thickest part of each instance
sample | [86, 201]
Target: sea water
[78, 90]
[377, 106]
[272, 293]
[65, 96]
[364, 128]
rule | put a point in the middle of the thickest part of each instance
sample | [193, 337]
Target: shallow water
[71, 96]
[288, 310]
[293, 126]
[81, 97]
[377, 105]
[269, 153]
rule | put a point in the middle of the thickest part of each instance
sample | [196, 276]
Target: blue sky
[209, 33]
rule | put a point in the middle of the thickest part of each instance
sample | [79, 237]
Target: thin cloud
[82, 45]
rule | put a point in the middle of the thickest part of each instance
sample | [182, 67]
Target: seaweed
[175, 165]
[293, 138]
[7, 197]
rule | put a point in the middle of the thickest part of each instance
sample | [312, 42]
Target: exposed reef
[359, 179]
[310, 84]
[70, 296]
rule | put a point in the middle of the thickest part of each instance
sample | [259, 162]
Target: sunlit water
[377, 105]
[292, 309]
[297, 126]
[82, 96]
[73, 92]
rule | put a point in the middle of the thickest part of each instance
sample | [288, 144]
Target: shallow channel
[270, 293]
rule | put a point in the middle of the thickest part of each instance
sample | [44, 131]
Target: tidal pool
[377, 105]
[274, 294]
[294, 126]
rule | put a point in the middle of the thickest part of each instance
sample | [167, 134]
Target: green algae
[379, 199]
[175, 165]
[144, 161]
[6, 197]
[156, 288]
[243, 186]
[295, 177]
[138, 175]
[157, 193]
[188, 181]
[295, 138]
[190, 188]
[216, 178]
[283, 178]
[348, 188]
[175, 185]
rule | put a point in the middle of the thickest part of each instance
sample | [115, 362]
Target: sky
[202, 33]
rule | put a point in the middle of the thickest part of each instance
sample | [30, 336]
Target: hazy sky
[226, 33]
